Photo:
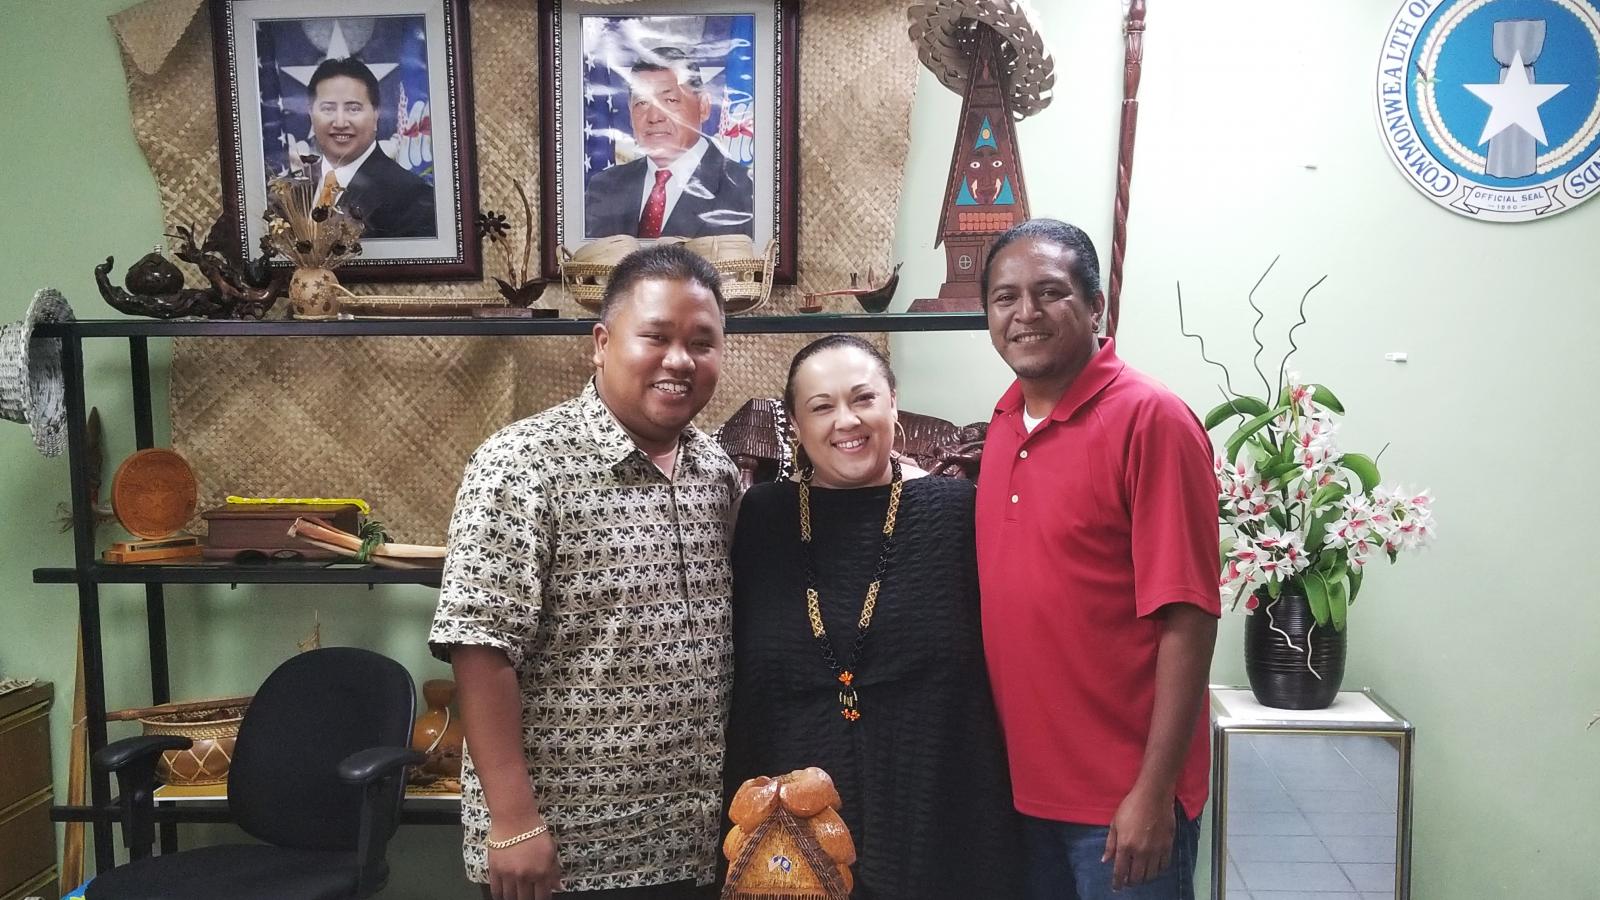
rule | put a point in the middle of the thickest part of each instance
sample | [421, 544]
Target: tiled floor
[1311, 817]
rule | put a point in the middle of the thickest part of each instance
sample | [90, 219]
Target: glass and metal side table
[1310, 800]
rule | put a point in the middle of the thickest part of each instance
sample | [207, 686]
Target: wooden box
[263, 529]
[27, 837]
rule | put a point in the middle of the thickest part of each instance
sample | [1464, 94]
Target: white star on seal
[1515, 102]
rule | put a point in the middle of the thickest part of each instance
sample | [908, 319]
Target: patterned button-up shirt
[608, 587]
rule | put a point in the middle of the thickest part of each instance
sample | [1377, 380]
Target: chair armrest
[134, 760]
[117, 755]
[367, 766]
[379, 771]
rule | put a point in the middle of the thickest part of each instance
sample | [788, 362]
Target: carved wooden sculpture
[987, 51]
[239, 288]
[248, 288]
[1133, 37]
[151, 292]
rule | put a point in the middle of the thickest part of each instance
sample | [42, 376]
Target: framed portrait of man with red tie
[660, 124]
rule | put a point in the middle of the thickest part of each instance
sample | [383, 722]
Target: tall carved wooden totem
[987, 51]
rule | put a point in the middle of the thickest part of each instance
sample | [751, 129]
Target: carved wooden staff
[71, 874]
[1133, 37]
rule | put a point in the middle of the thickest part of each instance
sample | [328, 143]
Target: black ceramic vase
[1292, 662]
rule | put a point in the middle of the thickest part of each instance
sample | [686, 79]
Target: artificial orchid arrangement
[1298, 512]
[1302, 512]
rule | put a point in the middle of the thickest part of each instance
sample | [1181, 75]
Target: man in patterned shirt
[585, 609]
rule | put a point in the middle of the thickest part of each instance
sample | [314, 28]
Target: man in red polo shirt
[1097, 558]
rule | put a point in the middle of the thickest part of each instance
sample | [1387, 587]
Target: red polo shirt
[1103, 514]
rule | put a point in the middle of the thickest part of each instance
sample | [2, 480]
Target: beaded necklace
[848, 701]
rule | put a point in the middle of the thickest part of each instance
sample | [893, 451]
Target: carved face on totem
[987, 170]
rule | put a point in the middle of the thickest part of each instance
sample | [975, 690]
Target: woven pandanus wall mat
[394, 419]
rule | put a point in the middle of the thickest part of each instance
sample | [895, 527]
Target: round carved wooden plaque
[153, 493]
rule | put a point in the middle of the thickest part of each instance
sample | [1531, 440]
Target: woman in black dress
[857, 644]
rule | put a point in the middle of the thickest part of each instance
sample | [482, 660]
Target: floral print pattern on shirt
[608, 587]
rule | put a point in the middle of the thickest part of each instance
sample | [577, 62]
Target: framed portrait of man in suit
[664, 120]
[367, 99]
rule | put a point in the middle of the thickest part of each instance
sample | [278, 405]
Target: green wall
[1257, 138]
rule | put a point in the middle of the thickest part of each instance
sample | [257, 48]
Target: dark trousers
[677, 890]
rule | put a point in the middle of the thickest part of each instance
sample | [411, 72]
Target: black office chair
[318, 774]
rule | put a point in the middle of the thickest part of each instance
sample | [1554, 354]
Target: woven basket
[746, 281]
[207, 760]
[586, 282]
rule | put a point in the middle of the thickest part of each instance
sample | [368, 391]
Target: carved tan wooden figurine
[988, 52]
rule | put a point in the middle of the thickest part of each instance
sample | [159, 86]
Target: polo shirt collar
[1102, 369]
[614, 445]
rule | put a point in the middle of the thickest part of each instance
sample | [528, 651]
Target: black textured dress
[922, 773]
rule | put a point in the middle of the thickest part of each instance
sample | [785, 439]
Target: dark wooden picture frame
[430, 45]
[773, 112]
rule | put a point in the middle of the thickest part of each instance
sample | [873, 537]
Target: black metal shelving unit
[88, 573]
[233, 574]
[795, 324]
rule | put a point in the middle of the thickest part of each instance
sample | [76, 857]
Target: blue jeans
[1061, 861]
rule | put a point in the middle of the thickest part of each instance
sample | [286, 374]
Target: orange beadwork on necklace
[846, 676]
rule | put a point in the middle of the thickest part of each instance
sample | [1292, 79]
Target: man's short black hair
[668, 262]
[671, 59]
[1085, 261]
[349, 67]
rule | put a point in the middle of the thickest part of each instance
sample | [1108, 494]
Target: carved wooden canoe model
[872, 299]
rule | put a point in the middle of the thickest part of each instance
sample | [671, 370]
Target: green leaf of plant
[1279, 519]
[1355, 584]
[1317, 532]
[1238, 406]
[1317, 596]
[1245, 431]
[1337, 605]
[1274, 588]
[1324, 397]
[1332, 492]
[1278, 470]
[1224, 547]
[1364, 469]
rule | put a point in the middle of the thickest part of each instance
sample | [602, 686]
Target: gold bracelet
[513, 841]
